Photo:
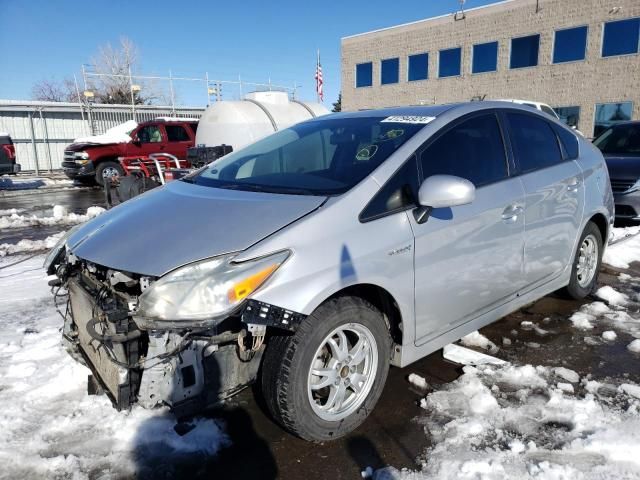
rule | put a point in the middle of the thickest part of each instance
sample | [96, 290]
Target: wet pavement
[40, 203]
[393, 434]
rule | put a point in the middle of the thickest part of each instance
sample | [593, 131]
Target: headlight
[203, 291]
[81, 156]
[52, 256]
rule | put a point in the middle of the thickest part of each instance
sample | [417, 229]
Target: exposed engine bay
[187, 368]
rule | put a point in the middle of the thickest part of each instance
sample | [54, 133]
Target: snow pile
[621, 254]
[634, 346]
[609, 335]
[476, 339]
[117, 134]
[417, 381]
[26, 245]
[611, 296]
[10, 211]
[584, 318]
[567, 374]
[517, 422]
[49, 426]
[60, 216]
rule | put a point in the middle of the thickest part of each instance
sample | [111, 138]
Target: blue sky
[50, 39]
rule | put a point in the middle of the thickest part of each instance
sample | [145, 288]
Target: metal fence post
[33, 143]
[46, 138]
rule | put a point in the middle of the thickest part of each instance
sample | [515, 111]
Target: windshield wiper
[252, 187]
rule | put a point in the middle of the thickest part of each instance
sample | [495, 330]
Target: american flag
[319, 79]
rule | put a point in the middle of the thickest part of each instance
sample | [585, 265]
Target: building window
[449, 62]
[485, 57]
[524, 51]
[569, 115]
[608, 114]
[364, 74]
[389, 71]
[621, 37]
[418, 67]
[570, 45]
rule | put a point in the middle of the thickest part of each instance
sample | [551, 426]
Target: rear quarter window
[569, 142]
[4, 140]
[534, 140]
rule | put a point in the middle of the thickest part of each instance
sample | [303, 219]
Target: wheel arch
[381, 299]
[600, 221]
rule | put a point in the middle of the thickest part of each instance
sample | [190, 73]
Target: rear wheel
[586, 264]
[107, 169]
[322, 382]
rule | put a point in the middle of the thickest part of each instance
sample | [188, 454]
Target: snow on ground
[27, 245]
[507, 422]
[117, 134]
[49, 426]
[622, 253]
[60, 216]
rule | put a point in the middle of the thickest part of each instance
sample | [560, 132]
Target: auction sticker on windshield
[408, 119]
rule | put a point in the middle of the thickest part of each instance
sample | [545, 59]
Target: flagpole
[317, 80]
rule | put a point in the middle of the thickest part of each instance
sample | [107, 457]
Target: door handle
[511, 213]
[573, 186]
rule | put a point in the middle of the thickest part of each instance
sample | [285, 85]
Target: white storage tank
[239, 123]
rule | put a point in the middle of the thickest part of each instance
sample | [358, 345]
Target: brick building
[582, 57]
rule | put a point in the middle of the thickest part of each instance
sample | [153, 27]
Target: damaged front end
[151, 341]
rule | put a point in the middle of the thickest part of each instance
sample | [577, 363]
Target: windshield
[620, 140]
[322, 157]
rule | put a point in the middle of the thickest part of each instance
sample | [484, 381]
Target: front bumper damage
[186, 369]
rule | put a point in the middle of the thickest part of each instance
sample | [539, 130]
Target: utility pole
[133, 100]
[173, 101]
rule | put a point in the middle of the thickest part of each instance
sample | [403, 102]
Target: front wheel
[108, 170]
[323, 381]
[586, 264]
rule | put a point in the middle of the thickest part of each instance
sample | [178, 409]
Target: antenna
[460, 15]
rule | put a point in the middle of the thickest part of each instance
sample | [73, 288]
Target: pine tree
[337, 105]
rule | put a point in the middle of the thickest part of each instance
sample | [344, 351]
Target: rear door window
[176, 133]
[534, 141]
[472, 149]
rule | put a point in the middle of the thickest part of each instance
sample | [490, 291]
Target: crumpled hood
[623, 167]
[181, 223]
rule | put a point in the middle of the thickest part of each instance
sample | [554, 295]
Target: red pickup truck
[92, 162]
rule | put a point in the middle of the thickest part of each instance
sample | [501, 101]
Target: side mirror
[441, 191]
[136, 142]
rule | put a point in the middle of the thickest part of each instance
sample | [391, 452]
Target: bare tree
[112, 85]
[116, 64]
[53, 91]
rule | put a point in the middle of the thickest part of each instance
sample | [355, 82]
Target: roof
[466, 11]
[415, 110]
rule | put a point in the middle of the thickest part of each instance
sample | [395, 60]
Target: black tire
[575, 290]
[285, 371]
[108, 165]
